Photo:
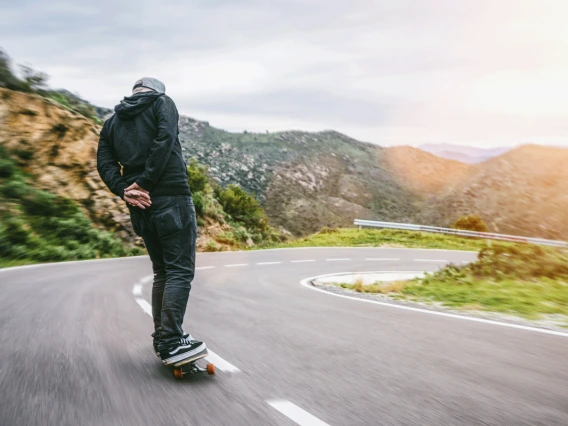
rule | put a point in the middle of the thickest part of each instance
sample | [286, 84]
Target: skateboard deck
[189, 367]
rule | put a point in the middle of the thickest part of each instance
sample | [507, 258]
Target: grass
[351, 237]
[525, 280]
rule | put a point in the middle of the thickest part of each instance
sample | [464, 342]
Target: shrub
[198, 176]
[15, 189]
[471, 223]
[212, 246]
[7, 168]
[15, 231]
[199, 203]
[226, 238]
[242, 207]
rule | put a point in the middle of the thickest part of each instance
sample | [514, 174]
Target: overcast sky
[478, 72]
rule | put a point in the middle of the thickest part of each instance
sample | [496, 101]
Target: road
[75, 349]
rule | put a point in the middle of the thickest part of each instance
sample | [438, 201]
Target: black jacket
[142, 137]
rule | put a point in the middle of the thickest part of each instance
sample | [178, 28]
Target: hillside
[523, 191]
[465, 154]
[304, 180]
[422, 172]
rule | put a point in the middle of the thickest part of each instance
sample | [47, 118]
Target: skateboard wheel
[178, 373]
[210, 369]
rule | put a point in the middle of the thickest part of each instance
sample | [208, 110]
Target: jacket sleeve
[167, 118]
[108, 165]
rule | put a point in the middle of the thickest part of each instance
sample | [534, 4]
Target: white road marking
[302, 261]
[268, 263]
[306, 283]
[295, 413]
[236, 264]
[335, 260]
[430, 260]
[381, 258]
[146, 307]
[211, 358]
[137, 290]
[220, 363]
[205, 267]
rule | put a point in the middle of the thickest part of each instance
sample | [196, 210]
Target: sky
[485, 73]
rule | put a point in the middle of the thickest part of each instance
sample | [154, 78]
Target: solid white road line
[146, 307]
[236, 264]
[205, 267]
[295, 413]
[220, 363]
[211, 358]
[137, 290]
[430, 260]
[381, 258]
[306, 283]
[268, 263]
[335, 260]
[302, 261]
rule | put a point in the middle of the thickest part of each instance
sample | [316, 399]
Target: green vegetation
[471, 223]
[243, 219]
[351, 237]
[38, 226]
[525, 280]
[32, 81]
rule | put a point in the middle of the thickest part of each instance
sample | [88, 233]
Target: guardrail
[459, 232]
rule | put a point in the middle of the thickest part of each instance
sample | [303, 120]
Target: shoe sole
[196, 353]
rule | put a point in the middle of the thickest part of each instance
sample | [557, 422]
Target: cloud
[473, 71]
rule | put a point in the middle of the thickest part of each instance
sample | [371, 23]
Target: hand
[137, 198]
[138, 188]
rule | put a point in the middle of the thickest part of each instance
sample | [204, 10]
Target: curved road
[75, 349]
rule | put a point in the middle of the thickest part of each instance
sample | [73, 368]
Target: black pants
[169, 230]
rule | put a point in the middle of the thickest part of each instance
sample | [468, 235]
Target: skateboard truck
[192, 368]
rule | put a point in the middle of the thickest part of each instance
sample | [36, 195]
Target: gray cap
[151, 83]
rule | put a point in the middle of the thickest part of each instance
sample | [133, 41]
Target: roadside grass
[525, 280]
[353, 237]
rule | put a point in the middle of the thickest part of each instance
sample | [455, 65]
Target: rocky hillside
[520, 192]
[57, 147]
[304, 180]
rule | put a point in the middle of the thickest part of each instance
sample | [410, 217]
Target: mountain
[465, 154]
[304, 180]
[523, 191]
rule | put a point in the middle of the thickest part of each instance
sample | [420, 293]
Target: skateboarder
[139, 158]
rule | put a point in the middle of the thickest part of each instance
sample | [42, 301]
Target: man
[139, 158]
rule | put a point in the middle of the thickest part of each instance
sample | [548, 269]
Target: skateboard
[189, 367]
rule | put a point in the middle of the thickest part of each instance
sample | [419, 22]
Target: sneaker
[183, 349]
[185, 336]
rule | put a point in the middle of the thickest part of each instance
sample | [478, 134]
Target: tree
[33, 80]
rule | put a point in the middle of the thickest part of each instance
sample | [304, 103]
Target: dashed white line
[236, 264]
[295, 413]
[137, 290]
[335, 260]
[302, 261]
[381, 258]
[430, 260]
[268, 263]
[205, 267]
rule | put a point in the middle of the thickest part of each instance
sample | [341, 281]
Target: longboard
[189, 367]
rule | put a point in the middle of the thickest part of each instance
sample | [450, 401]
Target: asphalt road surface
[75, 349]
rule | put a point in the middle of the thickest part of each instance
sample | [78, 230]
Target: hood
[151, 83]
[133, 105]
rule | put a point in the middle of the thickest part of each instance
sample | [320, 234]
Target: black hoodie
[142, 136]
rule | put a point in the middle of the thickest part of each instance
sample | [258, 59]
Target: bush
[7, 168]
[15, 189]
[15, 231]
[198, 176]
[199, 203]
[226, 238]
[471, 223]
[242, 207]
[212, 246]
